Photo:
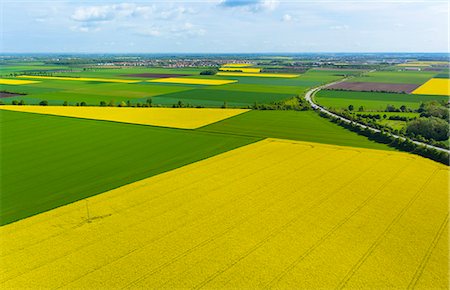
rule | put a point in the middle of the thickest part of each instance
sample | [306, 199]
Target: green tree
[361, 109]
[65, 103]
[102, 103]
[351, 108]
[43, 103]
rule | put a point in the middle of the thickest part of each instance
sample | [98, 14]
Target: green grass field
[372, 101]
[399, 77]
[302, 126]
[217, 97]
[48, 161]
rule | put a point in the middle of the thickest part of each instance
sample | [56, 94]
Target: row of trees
[385, 137]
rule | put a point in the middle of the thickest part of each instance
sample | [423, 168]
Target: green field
[372, 101]
[399, 77]
[48, 161]
[217, 97]
[302, 126]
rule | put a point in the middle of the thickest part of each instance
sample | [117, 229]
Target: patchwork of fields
[137, 197]
[67, 159]
[273, 214]
[165, 86]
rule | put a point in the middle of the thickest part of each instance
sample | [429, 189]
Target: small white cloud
[188, 29]
[149, 31]
[251, 5]
[287, 17]
[339, 27]
[93, 13]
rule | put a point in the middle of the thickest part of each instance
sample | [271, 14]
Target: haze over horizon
[224, 26]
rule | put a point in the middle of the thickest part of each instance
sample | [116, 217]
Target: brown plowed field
[4, 94]
[375, 87]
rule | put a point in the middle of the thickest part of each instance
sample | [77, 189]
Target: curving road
[309, 96]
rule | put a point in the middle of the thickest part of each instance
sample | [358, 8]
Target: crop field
[374, 87]
[372, 101]
[186, 118]
[302, 126]
[16, 82]
[82, 79]
[216, 97]
[399, 77]
[241, 69]
[66, 159]
[259, 75]
[272, 214]
[435, 86]
[193, 81]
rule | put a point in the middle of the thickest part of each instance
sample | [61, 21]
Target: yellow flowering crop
[82, 79]
[434, 86]
[273, 214]
[192, 81]
[242, 69]
[186, 118]
[261, 75]
[16, 82]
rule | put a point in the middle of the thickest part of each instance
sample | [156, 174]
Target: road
[309, 96]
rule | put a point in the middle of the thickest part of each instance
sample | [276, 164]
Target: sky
[224, 26]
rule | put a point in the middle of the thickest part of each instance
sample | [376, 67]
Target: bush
[43, 103]
[208, 72]
[431, 128]
[102, 104]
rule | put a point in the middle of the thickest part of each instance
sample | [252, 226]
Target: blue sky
[225, 26]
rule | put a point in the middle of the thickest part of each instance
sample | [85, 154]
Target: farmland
[372, 101]
[302, 126]
[272, 214]
[435, 86]
[186, 118]
[180, 172]
[67, 159]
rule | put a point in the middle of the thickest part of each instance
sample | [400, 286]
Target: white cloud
[287, 17]
[188, 29]
[339, 27]
[93, 13]
[251, 5]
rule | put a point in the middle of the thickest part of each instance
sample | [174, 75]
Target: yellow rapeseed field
[186, 118]
[261, 75]
[434, 86]
[83, 79]
[273, 214]
[242, 69]
[16, 82]
[192, 81]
